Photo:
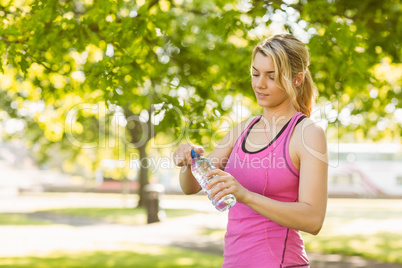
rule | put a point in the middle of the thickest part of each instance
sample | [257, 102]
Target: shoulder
[308, 126]
[240, 127]
[234, 133]
[222, 151]
[245, 123]
[310, 137]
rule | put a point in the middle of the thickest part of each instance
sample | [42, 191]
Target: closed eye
[256, 75]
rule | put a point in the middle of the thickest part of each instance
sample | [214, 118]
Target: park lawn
[356, 227]
[141, 256]
[361, 227]
[132, 216]
[20, 219]
[382, 246]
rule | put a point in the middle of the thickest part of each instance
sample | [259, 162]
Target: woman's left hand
[224, 184]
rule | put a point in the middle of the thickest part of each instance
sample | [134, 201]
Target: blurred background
[95, 96]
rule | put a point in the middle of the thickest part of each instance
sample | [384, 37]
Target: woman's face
[268, 93]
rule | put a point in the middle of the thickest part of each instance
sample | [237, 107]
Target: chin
[265, 104]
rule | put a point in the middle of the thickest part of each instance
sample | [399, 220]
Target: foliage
[101, 79]
[127, 53]
[353, 41]
[126, 57]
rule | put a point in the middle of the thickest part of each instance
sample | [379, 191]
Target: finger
[217, 171]
[212, 182]
[186, 152]
[222, 193]
[215, 177]
[216, 189]
[215, 181]
[187, 157]
[198, 149]
[182, 162]
[179, 155]
[177, 159]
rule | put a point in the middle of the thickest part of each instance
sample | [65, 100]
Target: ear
[298, 80]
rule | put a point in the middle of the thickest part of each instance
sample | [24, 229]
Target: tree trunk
[141, 133]
[143, 176]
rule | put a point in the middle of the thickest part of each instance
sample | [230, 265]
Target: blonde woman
[275, 164]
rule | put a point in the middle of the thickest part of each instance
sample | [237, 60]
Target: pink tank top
[252, 240]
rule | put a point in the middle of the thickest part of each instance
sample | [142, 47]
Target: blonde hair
[290, 57]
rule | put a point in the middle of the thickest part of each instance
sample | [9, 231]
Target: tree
[167, 66]
[130, 55]
[351, 43]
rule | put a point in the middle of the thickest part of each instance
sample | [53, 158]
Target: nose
[261, 82]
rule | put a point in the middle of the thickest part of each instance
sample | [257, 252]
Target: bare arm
[182, 158]
[188, 183]
[306, 215]
[219, 157]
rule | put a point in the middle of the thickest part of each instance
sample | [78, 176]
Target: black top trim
[297, 265]
[300, 119]
[243, 146]
[287, 140]
[284, 246]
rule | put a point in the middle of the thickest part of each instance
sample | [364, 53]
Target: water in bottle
[200, 168]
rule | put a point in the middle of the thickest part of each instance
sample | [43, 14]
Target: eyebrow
[269, 72]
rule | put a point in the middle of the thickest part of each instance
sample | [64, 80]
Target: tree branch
[152, 4]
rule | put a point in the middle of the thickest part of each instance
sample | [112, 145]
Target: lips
[261, 95]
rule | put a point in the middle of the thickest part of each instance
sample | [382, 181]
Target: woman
[275, 164]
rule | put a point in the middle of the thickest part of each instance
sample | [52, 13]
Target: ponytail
[305, 95]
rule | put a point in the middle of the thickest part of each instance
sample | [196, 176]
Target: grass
[381, 246]
[353, 227]
[361, 227]
[142, 256]
[132, 216]
[20, 219]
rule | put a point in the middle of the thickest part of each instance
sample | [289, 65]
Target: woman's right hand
[182, 155]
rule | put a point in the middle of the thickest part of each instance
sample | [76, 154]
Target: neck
[280, 112]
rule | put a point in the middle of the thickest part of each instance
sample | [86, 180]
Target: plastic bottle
[200, 167]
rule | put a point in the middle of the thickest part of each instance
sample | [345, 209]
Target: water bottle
[200, 167]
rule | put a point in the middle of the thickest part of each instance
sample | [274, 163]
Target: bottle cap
[194, 154]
